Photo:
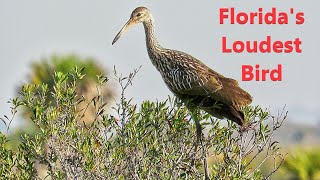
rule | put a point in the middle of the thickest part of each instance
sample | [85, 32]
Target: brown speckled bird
[188, 78]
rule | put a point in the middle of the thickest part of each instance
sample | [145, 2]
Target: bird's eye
[139, 14]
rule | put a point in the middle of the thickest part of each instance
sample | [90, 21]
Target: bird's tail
[228, 112]
[236, 116]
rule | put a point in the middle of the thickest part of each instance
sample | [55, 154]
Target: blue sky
[33, 29]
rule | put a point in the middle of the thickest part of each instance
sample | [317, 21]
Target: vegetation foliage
[154, 140]
[303, 164]
[42, 72]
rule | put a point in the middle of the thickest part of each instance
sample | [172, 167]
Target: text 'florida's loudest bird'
[188, 78]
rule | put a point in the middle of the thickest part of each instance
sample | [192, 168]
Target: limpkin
[188, 78]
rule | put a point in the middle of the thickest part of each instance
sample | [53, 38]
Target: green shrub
[155, 140]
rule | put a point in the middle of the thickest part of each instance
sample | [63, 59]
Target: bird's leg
[205, 161]
[199, 139]
[199, 132]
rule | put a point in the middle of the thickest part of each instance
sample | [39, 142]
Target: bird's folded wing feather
[193, 77]
[232, 94]
[197, 83]
[223, 89]
[200, 80]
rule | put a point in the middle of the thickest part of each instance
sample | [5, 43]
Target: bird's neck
[155, 51]
[151, 40]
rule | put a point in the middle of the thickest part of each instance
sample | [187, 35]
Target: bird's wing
[192, 77]
[232, 94]
[195, 78]
[192, 83]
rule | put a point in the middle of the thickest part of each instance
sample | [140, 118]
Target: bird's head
[140, 14]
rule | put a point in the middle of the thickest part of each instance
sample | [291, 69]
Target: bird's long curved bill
[125, 28]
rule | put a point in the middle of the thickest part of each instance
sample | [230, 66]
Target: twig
[276, 168]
